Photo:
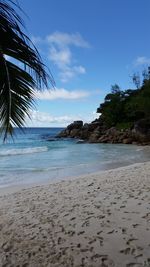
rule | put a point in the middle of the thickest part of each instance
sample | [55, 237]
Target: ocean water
[36, 156]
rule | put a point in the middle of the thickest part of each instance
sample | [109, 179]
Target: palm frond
[17, 85]
[19, 94]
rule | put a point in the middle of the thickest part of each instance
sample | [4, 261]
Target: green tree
[112, 108]
[136, 80]
[127, 107]
[17, 83]
[146, 75]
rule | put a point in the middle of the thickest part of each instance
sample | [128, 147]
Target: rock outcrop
[142, 131]
[98, 132]
[73, 130]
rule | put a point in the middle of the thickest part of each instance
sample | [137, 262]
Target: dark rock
[141, 131]
[75, 125]
[94, 137]
[86, 125]
[98, 132]
[75, 133]
[127, 141]
[92, 126]
[142, 127]
[63, 133]
[72, 130]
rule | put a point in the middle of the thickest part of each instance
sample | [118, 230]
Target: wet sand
[97, 220]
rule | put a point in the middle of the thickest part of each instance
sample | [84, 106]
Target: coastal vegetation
[124, 116]
[21, 69]
[123, 108]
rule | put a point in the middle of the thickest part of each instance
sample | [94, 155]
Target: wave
[140, 149]
[22, 151]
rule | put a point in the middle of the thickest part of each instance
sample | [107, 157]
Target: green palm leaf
[16, 84]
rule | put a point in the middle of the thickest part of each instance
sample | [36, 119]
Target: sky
[88, 45]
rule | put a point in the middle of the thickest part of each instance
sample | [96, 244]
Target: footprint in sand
[138, 256]
[101, 216]
[107, 262]
[126, 251]
[98, 233]
[131, 240]
[81, 233]
[71, 233]
[146, 216]
[73, 218]
[124, 230]
[135, 225]
[91, 184]
[86, 223]
[111, 232]
[60, 240]
[92, 241]
[133, 264]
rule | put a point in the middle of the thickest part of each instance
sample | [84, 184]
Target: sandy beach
[97, 220]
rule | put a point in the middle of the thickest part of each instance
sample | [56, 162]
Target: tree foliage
[129, 105]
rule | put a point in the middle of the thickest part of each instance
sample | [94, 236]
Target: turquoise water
[37, 156]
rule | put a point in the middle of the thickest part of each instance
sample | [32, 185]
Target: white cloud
[61, 94]
[65, 39]
[61, 58]
[60, 53]
[43, 119]
[79, 69]
[142, 61]
[68, 73]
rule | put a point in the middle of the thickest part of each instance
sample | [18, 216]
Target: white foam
[21, 151]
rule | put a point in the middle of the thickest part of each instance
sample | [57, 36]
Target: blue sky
[88, 45]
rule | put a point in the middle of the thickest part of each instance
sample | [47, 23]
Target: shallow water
[31, 158]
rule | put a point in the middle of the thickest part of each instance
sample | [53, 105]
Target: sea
[36, 156]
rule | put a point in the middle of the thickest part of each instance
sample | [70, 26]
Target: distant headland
[124, 116]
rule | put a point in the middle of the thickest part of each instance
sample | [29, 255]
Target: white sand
[99, 220]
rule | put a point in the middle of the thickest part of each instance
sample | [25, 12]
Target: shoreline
[8, 189]
[100, 219]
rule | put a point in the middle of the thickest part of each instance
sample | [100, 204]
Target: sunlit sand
[102, 219]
